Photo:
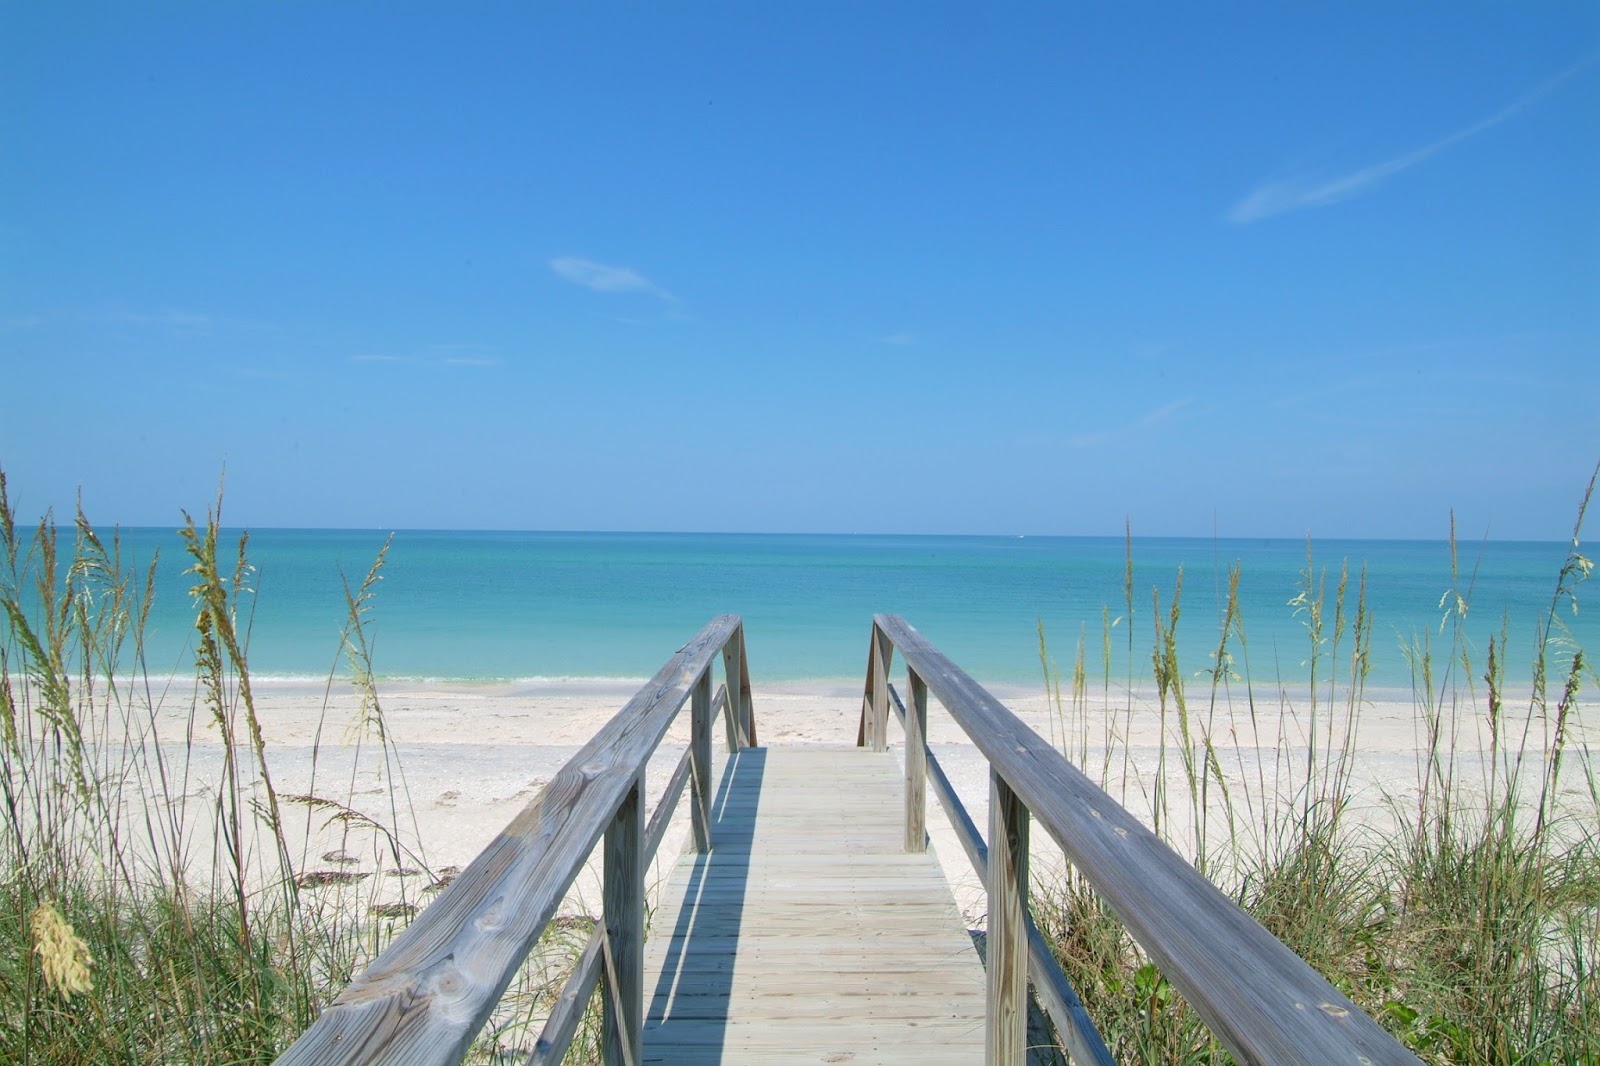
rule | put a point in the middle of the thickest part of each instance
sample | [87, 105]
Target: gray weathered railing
[1263, 1002]
[425, 998]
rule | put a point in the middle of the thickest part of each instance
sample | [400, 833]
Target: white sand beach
[473, 755]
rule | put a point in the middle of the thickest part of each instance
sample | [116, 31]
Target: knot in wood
[449, 985]
[493, 916]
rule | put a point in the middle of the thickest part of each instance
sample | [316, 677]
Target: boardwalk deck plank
[809, 935]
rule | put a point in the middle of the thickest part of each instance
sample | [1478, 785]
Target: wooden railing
[1261, 1001]
[425, 998]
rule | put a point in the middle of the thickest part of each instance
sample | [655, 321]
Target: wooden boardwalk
[808, 924]
[808, 934]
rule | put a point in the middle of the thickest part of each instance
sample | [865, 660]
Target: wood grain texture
[882, 653]
[809, 934]
[622, 894]
[747, 703]
[1259, 999]
[1006, 1042]
[739, 714]
[567, 1011]
[1078, 1034]
[425, 997]
[875, 714]
[702, 712]
[916, 760]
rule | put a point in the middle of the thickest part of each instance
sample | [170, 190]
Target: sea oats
[62, 952]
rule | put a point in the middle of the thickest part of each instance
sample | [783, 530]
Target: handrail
[427, 995]
[1260, 999]
[1056, 995]
[562, 1024]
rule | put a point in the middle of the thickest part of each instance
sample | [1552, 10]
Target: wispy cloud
[1300, 192]
[1161, 414]
[257, 374]
[180, 322]
[184, 323]
[1391, 370]
[602, 277]
[1325, 392]
[446, 360]
[898, 340]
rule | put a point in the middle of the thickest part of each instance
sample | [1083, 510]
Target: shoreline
[1196, 689]
[475, 754]
[472, 755]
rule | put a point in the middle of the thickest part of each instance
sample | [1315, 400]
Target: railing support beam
[730, 674]
[425, 997]
[700, 761]
[747, 707]
[623, 891]
[877, 726]
[1260, 1000]
[1007, 938]
[916, 764]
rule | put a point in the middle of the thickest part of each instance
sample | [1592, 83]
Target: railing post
[1007, 939]
[733, 675]
[864, 727]
[700, 761]
[623, 891]
[882, 651]
[747, 707]
[916, 763]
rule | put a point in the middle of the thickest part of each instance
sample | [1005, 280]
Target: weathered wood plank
[916, 760]
[910, 980]
[929, 1055]
[562, 1024]
[882, 652]
[747, 704]
[717, 1040]
[1006, 1042]
[425, 997]
[739, 714]
[701, 712]
[622, 893]
[1075, 1029]
[814, 1049]
[1260, 999]
[809, 932]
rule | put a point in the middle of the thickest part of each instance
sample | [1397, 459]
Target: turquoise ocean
[520, 607]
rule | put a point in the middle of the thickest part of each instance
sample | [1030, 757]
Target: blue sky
[1253, 270]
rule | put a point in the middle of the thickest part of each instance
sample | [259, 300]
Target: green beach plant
[161, 899]
[1462, 912]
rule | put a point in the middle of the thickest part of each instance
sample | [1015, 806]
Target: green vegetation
[158, 902]
[1453, 892]
[157, 896]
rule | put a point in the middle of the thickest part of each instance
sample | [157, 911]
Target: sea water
[480, 606]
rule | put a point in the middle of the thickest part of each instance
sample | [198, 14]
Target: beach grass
[1457, 901]
[162, 900]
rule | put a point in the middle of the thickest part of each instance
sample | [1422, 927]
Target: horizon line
[1300, 538]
